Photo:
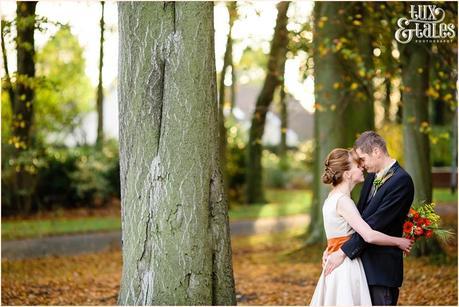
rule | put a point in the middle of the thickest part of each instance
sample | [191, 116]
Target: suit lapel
[376, 198]
[365, 192]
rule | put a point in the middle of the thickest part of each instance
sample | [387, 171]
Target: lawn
[280, 203]
[41, 228]
[444, 195]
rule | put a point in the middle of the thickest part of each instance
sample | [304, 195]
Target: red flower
[418, 220]
[418, 231]
[427, 222]
[407, 227]
[429, 233]
[416, 215]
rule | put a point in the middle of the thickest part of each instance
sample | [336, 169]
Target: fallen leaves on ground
[268, 270]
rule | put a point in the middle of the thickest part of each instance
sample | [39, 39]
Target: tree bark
[227, 62]
[330, 103]
[227, 58]
[100, 88]
[415, 78]
[233, 85]
[343, 92]
[454, 153]
[24, 96]
[25, 93]
[359, 109]
[387, 103]
[274, 77]
[284, 127]
[175, 229]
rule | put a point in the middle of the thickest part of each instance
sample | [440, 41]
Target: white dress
[347, 284]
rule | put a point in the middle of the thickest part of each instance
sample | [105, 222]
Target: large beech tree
[175, 230]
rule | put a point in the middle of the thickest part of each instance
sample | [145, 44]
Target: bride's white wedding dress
[347, 284]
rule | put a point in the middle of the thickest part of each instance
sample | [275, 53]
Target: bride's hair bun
[338, 161]
[329, 176]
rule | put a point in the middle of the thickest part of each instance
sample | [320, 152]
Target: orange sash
[334, 244]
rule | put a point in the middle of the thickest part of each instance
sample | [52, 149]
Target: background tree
[415, 77]
[283, 127]
[274, 76]
[100, 87]
[227, 62]
[176, 241]
[328, 25]
[343, 73]
[25, 94]
[23, 103]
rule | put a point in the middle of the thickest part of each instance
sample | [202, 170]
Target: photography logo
[425, 25]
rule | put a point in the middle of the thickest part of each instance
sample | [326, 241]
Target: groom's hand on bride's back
[334, 260]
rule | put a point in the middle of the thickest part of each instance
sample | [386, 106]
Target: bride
[347, 284]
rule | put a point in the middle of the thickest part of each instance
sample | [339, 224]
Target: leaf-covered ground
[269, 270]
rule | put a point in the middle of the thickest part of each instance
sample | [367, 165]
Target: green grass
[280, 203]
[41, 228]
[444, 195]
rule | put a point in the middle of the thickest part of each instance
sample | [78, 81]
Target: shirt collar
[384, 171]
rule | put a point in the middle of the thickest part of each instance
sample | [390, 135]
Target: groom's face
[369, 160]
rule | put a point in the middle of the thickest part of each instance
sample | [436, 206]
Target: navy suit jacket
[386, 212]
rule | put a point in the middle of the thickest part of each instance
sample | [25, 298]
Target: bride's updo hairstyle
[338, 161]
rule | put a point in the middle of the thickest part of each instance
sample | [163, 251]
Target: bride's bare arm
[347, 209]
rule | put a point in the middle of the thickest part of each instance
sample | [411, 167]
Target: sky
[255, 28]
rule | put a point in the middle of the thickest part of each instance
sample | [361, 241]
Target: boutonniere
[379, 182]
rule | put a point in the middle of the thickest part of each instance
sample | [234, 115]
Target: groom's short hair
[369, 140]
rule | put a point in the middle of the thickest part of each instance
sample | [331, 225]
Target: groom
[384, 202]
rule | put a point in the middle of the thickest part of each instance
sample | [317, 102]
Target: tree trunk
[343, 92]
[284, 127]
[454, 153]
[175, 229]
[359, 110]
[330, 104]
[232, 9]
[227, 58]
[415, 79]
[233, 86]
[25, 93]
[22, 119]
[8, 85]
[387, 103]
[227, 61]
[274, 77]
[100, 88]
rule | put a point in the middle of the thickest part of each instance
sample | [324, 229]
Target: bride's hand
[324, 258]
[405, 244]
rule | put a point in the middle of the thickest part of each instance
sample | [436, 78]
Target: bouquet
[424, 222]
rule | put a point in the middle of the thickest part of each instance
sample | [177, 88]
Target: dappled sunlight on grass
[280, 203]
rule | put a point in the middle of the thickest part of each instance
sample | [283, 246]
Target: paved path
[93, 242]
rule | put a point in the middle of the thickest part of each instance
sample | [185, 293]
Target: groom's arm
[396, 203]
